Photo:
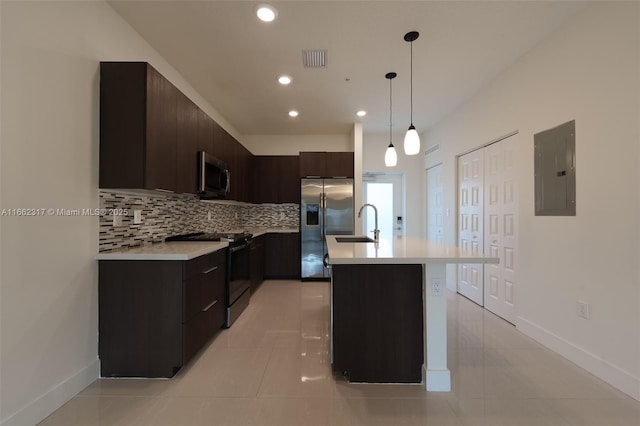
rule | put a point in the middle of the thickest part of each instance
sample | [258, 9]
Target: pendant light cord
[390, 112]
[411, 84]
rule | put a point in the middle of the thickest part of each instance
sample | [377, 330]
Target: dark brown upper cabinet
[238, 159]
[339, 164]
[138, 127]
[150, 135]
[206, 132]
[187, 140]
[275, 179]
[326, 164]
[312, 164]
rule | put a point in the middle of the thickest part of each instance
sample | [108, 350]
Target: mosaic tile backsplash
[164, 215]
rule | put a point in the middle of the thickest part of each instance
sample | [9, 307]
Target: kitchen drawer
[204, 282]
[203, 263]
[199, 329]
[213, 286]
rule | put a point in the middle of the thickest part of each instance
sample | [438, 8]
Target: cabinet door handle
[210, 305]
[210, 270]
[228, 188]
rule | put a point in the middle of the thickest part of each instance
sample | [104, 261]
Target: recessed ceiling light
[361, 113]
[266, 12]
[284, 80]
[293, 113]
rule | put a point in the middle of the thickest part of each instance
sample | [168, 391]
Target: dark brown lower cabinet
[282, 255]
[378, 323]
[256, 261]
[156, 314]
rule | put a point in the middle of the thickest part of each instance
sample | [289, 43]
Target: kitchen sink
[354, 239]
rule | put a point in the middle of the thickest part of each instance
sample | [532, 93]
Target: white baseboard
[436, 380]
[615, 376]
[38, 409]
[452, 285]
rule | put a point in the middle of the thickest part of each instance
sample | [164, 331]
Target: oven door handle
[238, 248]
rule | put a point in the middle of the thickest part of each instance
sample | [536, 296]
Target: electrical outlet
[209, 216]
[436, 287]
[117, 220]
[137, 217]
[281, 215]
[584, 310]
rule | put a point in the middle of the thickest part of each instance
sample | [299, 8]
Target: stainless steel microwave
[214, 180]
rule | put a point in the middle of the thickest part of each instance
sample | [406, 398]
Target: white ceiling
[233, 60]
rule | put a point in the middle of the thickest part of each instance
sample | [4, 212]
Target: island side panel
[378, 323]
[437, 374]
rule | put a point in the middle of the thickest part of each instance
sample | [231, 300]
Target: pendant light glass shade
[411, 141]
[411, 138]
[390, 155]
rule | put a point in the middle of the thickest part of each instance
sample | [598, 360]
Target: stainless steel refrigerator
[326, 208]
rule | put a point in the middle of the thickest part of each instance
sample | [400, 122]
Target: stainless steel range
[238, 290]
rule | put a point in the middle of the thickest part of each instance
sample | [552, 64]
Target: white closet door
[501, 227]
[471, 222]
[435, 219]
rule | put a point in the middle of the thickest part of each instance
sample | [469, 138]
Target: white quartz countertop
[174, 250]
[400, 250]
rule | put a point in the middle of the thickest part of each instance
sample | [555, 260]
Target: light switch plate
[137, 217]
[584, 310]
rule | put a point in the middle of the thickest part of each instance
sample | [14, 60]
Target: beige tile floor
[272, 368]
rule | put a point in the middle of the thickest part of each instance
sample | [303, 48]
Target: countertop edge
[165, 251]
[402, 250]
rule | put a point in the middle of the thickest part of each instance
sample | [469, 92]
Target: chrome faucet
[376, 231]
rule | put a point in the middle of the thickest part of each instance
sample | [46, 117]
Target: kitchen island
[389, 310]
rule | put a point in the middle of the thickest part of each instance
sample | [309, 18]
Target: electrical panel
[555, 171]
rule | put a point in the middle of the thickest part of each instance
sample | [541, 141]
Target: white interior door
[471, 223]
[501, 227]
[435, 211]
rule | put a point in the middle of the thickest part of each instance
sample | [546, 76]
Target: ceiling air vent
[314, 58]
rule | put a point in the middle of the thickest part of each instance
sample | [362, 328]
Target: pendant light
[390, 156]
[411, 138]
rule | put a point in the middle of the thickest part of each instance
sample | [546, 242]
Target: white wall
[49, 159]
[588, 71]
[375, 146]
[293, 144]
